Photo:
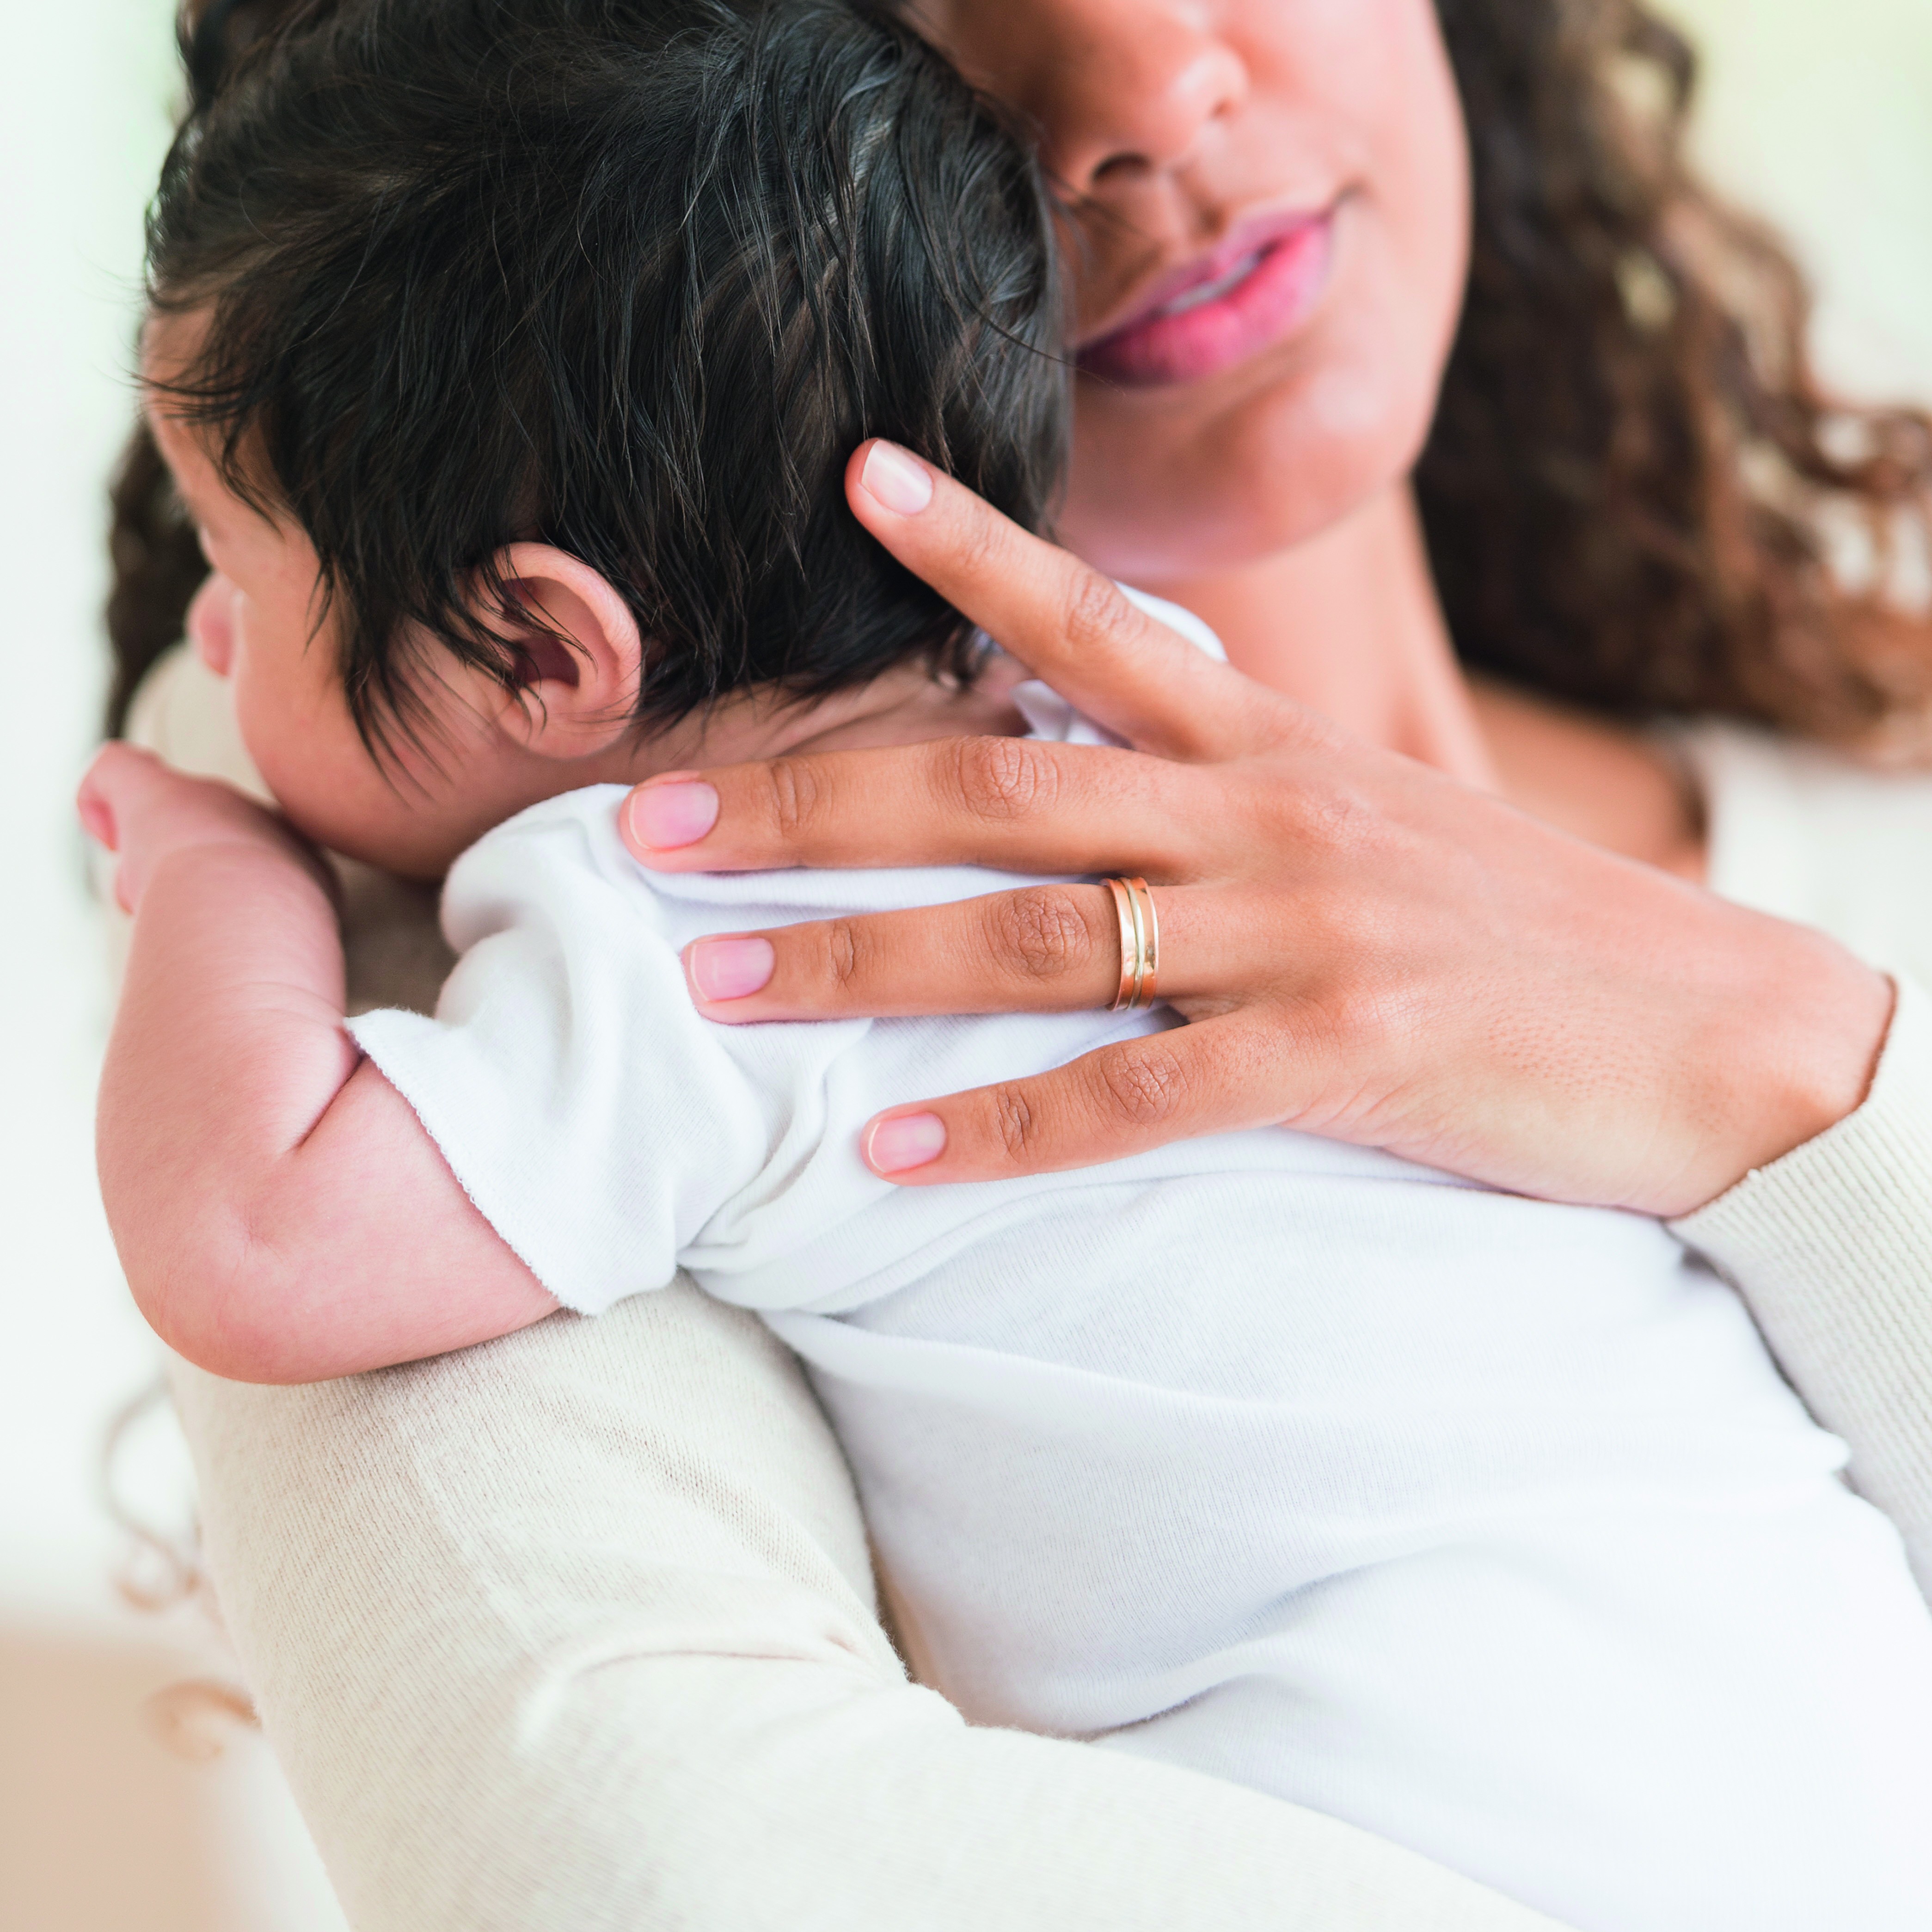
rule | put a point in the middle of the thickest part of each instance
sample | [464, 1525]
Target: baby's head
[509, 354]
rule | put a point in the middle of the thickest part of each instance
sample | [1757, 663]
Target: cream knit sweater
[578, 1629]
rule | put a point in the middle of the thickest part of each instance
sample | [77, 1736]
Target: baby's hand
[143, 812]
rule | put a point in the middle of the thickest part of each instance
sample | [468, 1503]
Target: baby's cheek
[310, 759]
[259, 718]
[300, 735]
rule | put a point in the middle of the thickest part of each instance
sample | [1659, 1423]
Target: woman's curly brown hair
[1637, 496]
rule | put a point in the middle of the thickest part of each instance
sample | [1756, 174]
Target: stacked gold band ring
[1140, 943]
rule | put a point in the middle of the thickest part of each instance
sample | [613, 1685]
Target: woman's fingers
[1042, 949]
[1213, 1077]
[1051, 949]
[1019, 804]
[1023, 804]
[1065, 621]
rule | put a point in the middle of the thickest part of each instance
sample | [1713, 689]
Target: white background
[1820, 115]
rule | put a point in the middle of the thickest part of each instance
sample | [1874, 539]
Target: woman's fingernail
[904, 1140]
[897, 478]
[728, 969]
[673, 810]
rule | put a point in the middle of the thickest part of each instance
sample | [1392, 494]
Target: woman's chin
[1178, 480]
[1147, 507]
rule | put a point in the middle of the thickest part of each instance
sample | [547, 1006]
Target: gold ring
[1140, 943]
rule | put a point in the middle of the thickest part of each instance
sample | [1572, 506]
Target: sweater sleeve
[575, 1629]
[1831, 1247]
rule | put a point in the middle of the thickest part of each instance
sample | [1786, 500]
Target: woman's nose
[1124, 89]
[211, 623]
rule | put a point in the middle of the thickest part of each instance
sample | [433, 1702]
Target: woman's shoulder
[1598, 779]
[1785, 825]
[1810, 834]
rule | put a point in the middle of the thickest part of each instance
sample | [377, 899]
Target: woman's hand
[1365, 948]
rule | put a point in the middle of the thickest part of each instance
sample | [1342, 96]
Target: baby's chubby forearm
[281, 1214]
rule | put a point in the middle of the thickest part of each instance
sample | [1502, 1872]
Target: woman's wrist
[1803, 1054]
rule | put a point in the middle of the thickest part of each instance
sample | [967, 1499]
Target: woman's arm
[575, 1630]
[280, 1213]
[1831, 1247]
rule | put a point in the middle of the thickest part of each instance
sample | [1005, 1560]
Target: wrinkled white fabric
[1484, 1523]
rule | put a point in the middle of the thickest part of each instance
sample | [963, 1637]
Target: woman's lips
[1253, 290]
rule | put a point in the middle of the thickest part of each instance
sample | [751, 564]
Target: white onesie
[1487, 1524]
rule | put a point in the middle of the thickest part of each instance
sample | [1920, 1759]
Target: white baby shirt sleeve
[595, 1119]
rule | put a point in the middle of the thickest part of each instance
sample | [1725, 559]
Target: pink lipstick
[1257, 286]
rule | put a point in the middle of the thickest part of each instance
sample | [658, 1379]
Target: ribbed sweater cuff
[1831, 1247]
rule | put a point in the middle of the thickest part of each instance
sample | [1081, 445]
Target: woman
[577, 1628]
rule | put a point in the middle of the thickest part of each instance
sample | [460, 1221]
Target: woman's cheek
[1422, 160]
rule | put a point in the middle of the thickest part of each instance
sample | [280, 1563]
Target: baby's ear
[580, 653]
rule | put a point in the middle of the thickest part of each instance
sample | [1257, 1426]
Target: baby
[509, 354]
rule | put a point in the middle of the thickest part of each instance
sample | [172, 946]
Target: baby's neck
[481, 779]
[904, 707]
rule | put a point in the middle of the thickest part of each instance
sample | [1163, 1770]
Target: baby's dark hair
[630, 276]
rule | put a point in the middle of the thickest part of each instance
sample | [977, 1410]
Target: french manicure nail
[897, 479]
[728, 969]
[672, 812]
[904, 1142]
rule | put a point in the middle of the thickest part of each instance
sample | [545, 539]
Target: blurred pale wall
[101, 1829]
[1820, 115]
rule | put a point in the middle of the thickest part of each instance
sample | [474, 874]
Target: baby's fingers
[109, 787]
[1214, 1077]
[110, 795]
[96, 815]
[143, 810]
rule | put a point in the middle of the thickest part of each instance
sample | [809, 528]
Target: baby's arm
[280, 1212]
